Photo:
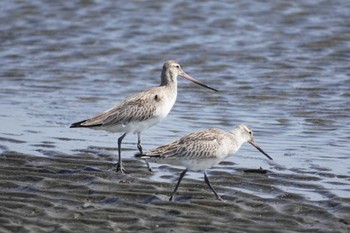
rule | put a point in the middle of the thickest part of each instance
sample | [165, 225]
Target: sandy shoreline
[82, 193]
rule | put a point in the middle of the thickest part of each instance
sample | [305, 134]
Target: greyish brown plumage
[142, 110]
[201, 150]
[143, 106]
[195, 145]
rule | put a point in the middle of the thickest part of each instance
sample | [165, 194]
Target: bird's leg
[140, 150]
[177, 185]
[119, 165]
[212, 189]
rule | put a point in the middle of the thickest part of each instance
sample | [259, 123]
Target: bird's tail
[87, 125]
[139, 155]
[146, 156]
[77, 124]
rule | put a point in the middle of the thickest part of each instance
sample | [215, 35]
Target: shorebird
[201, 150]
[141, 111]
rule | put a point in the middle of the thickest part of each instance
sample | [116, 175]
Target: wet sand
[82, 193]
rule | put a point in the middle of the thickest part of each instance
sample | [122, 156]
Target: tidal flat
[83, 193]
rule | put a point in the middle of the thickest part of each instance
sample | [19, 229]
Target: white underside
[134, 126]
[200, 164]
[190, 164]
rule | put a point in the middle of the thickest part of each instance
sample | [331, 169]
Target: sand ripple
[82, 193]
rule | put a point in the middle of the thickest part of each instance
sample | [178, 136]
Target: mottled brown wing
[201, 144]
[136, 108]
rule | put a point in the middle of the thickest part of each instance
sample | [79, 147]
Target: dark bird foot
[120, 168]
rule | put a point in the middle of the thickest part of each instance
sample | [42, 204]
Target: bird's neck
[237, 138]
[167, 79]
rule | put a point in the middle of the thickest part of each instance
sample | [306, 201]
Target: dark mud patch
[83, 193]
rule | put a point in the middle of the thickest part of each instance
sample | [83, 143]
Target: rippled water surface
[282, 68]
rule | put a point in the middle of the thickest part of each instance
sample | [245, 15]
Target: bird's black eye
[177, 66]
[250, 132]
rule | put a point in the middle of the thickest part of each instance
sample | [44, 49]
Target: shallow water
[282, 68]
